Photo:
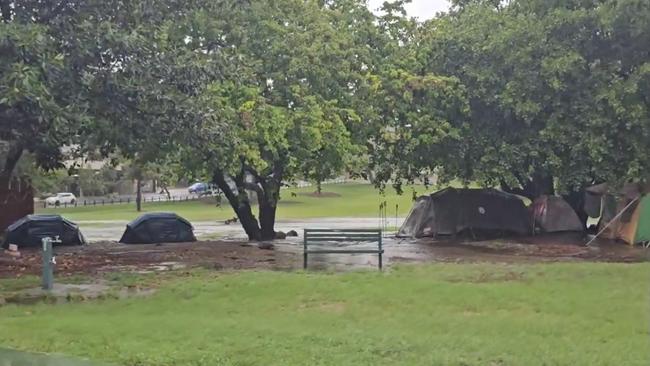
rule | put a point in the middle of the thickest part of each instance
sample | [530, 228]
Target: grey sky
[421, 9]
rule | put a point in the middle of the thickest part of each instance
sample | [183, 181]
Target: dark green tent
[158, 227]
[478, 211]
[30, 230]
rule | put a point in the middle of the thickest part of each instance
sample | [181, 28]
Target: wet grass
[8, 285]
[349, 200]
[485, 314]
[13, 284]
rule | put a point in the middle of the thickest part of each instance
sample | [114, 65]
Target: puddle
[395, 250]
[63, 293]
[112, 230]
[16, 358]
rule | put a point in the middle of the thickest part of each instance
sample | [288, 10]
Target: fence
[162, 198]
[121, 200]
[303, 184]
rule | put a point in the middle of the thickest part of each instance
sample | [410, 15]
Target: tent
[452, 211]
[628, 220]
[31, 229]
[554, 214]
[624, 211]
[158, 227]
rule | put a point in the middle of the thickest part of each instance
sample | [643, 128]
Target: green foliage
[39, 74]
[551, 88]
[531, 94]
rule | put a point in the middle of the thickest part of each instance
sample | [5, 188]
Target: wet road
[95, 231]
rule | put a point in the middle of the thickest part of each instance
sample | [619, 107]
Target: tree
[554, 92]
[286, 107]
[154, 72]
[40, 71]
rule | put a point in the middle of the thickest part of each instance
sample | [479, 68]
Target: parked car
[200, 189]
[59, 199]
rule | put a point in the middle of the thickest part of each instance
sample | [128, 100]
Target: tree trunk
[268, 204]
[267, 219]
[248, 221]
[268, 197]
[241, 206]
[138, 195]
[13, 156]
[319, 187]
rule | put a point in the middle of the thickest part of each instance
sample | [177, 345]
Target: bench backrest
[320, 236]
[341, 237]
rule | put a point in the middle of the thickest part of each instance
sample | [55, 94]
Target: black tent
[479, 211]
[31, 229]
[158, 227]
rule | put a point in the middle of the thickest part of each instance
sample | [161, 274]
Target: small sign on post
[48, 262]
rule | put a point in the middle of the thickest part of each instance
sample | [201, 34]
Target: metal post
[304, 262]
[48, 265]
[381, 264]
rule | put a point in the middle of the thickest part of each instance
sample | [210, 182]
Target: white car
[61, 199]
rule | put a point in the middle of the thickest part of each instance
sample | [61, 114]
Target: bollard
[48, 262]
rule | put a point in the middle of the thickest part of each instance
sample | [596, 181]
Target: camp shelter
[630, 222]
[624, 212]
[31, 229]
[602, 200]
[158, 227]
[553, 214]
[452, 211]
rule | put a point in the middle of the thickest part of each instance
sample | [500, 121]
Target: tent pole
[612, 220]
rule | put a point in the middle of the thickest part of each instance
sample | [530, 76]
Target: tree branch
[219, 179]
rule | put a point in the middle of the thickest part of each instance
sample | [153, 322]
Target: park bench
[342, 242]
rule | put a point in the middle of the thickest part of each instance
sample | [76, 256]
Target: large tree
[287, 107]
[556, 93]
[40, 72]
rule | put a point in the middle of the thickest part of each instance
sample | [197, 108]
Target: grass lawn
[451, 314]
[353, 200]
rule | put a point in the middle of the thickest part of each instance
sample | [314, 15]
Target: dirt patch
[320, 195]
[542, 248]
[104, 257]
[335, 307]
[107, 257]
[62, 293]
[326, 307]
[489, 277]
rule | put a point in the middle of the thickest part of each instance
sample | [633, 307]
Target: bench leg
[304, 261]
[381, 264]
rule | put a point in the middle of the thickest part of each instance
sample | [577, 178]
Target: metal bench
[322, 237]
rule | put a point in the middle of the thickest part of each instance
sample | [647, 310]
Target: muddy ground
[104, 257]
